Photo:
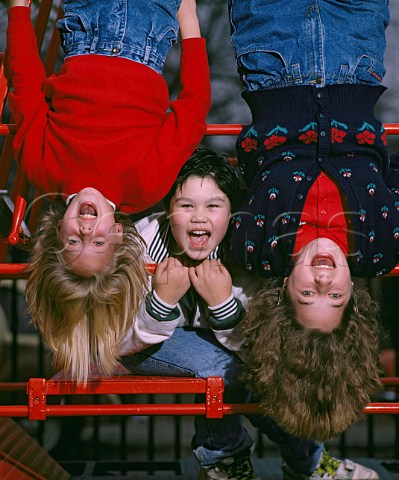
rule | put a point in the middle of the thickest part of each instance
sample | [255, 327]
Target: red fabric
[102, 122]
[323, 215]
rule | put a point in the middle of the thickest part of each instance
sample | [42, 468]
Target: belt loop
[147, 51]
[296, 73]
[343, 74]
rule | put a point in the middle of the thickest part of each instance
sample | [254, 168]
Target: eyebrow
[312, 303]
[211, 199]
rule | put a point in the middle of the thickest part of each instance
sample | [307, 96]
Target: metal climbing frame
[39, 389]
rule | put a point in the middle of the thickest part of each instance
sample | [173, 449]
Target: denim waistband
[139, 30]
[315, 43]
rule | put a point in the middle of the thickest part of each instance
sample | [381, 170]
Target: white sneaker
[331, 468]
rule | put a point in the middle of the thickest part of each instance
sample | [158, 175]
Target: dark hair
[313, 384]
[207, 163]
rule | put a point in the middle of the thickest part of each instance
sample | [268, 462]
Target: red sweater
[102, 122]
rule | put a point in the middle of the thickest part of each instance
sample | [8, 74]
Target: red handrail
[38, 390]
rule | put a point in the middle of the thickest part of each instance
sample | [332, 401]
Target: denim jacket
[308, 42]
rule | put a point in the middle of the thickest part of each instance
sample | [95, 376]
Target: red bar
[7, 129]
[134, 409]
[214, 397]
[390, 380]
[18, 270]
[37, 399]
[211, 129]
[161, 409]
[18, 216]
[382, 408]
[14, 411]
[128, 385]
[392, 128]
[13, 386]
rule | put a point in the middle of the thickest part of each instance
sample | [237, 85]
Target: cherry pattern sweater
[103, 122]
[296, 134]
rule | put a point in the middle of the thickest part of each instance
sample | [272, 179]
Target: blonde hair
[84, 319]
[313, 384]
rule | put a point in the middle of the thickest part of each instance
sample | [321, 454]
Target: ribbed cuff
[225, 310]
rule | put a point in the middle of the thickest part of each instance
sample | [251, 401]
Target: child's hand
[212, 281]
[19, 3]
[171, 280]
[188, 20]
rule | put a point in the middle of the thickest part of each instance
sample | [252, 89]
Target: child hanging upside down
[98, 135]
[322, 206]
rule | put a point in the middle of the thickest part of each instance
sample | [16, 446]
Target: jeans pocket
[72, 29]
[369, 70]
[261, 68]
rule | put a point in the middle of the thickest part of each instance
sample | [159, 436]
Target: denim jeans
[196, 353]
[139, 30]
[281, 43]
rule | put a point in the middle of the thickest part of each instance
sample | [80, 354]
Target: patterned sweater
[297, 133]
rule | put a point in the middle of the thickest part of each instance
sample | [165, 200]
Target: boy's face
[199, 217]
[88, 233]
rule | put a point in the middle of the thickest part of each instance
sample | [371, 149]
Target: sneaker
[331, 468]
[237, 468]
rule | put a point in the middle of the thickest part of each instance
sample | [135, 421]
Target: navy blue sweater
[296, 133]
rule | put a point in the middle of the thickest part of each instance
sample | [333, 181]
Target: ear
[285, 281]
[119, 232]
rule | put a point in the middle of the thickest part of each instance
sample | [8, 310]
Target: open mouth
[323, 261]
[87, 211]
[199, 237]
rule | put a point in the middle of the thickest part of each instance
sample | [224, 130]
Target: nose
[199, 216]
[85, 229]
[323, 279]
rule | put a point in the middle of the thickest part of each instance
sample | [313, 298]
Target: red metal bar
[37, 398]
[18, 216]
[13, 386]
[127, 409]
[382, 408]
[127, 385]
[53, 47]
[41, 21]
[214, 397]
[38, 389]
[14, 411]
[211, 129]
[13, 271]
[389, 381]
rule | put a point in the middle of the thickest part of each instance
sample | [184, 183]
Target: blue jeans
[139, 30]
[196, 353]
[308, 42]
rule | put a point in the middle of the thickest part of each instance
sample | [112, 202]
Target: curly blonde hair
[83, 319]
[313, 384]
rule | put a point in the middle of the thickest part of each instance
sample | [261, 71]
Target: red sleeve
[185, 125]
[26, 74]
